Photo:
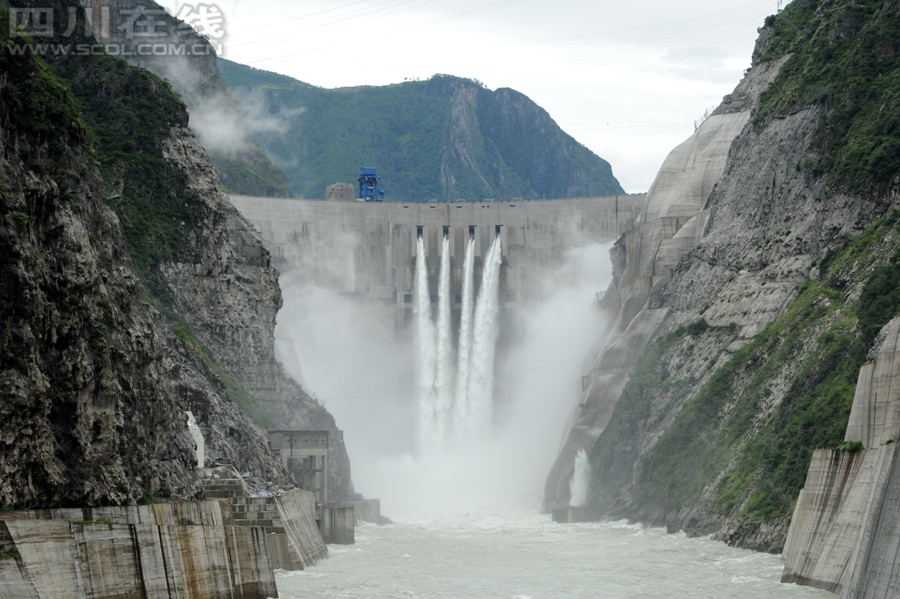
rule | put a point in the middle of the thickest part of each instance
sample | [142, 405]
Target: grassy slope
[847, 59]
[401, 129]
[819, 343]
[126, 112]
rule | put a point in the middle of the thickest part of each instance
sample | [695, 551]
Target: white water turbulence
[473, 389]
[425, 340]
[493, 556]
[499, 437]
[581, 480]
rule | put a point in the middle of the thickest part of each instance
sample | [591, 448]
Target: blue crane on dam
[369, 190]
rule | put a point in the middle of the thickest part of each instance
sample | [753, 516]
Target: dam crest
[369, 249]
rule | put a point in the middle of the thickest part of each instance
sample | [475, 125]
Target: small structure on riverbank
[305, 455]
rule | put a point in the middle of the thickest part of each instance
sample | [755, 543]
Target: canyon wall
[102, 363]
[744, 301]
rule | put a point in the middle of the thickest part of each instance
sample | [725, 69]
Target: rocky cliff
[113, 360]
[230, 296]
[743, 312]
[88, 416]
[189, 65]
[446, 138]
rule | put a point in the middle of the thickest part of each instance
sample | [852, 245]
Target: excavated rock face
[231, 296]
[87, 416]
[229, 435]
[97, 381]
[735, 223]
[675, 216]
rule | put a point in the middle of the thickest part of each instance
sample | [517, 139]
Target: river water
[479, 556]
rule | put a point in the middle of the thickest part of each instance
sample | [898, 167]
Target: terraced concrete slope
[160, 551]
[673, 219]
[845, 531]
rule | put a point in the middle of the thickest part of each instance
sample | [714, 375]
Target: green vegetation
[880, 297]
[845, 58]
[123, 115]
[616, 449]
[149, 497]
[12, 554]
[250, 173]
[129, 112]
[851, 446]
[405, 130]
[732, 431]
[20, 217]
[46, 113]
[235, 392]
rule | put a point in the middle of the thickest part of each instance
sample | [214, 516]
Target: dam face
[368, 249]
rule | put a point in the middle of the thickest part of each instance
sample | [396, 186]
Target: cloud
[260, 116]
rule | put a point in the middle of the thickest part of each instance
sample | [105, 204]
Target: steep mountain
[132, 291]
[753, 288]
[444, 138]
[189, 65]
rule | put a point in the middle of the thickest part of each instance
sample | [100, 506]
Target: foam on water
[508, 555]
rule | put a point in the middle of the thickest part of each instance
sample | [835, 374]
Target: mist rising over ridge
[446, 138]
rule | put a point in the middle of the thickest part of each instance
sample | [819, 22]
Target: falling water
[581, 479]
[471, 405]
[460, 408]
[426, 351]
[481, 382]
[444, 376]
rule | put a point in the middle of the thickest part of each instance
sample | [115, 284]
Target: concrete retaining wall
[160, 551]
[845, 531]
[367, 510]
[297, 509]
[64, 560]
[338, 522]
[575, 514]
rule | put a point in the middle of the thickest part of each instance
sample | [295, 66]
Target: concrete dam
[368, 249]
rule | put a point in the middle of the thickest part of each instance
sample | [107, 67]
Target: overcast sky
[626, 79]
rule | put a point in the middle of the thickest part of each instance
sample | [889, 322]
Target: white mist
[369, 380]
